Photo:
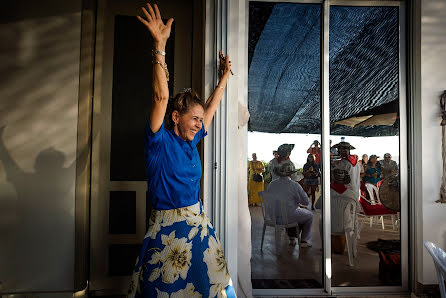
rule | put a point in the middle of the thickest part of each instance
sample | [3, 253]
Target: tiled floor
[286, 265]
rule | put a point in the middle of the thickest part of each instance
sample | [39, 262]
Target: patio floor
[286, 270]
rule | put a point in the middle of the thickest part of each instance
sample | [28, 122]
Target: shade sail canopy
[284, 87]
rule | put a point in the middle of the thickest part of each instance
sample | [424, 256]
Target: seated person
[373, 171]
[389, 167]
[290, 191]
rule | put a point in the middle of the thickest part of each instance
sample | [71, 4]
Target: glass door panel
[365, 95]
[284, 101]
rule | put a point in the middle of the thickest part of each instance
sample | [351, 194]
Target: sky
[263, 145]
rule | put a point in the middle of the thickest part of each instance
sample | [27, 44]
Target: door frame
[219, 183]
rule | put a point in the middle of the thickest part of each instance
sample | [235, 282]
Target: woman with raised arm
[180, 256]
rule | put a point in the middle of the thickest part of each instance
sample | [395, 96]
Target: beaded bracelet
[164, 66]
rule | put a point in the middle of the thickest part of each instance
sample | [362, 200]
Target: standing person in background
[275, 154]
[255, 182]
[311, 172]
[272, 164]
[349, 165]
[181, 255]
[316, 151]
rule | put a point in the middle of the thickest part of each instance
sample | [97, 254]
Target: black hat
[343, 145]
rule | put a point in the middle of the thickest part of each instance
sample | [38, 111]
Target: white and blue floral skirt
[181, 257]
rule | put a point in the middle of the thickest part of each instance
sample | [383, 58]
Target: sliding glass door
[328, 77]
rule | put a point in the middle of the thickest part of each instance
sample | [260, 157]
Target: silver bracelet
[154, 52]
[220, 87]
[164, 66]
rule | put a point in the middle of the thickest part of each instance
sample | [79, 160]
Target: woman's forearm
[160, 87]
[214, 100]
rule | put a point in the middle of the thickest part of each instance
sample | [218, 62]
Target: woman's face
[188, 124]
[310, 158]
[365, 158]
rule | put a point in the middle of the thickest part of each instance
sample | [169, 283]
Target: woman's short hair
[182, 102]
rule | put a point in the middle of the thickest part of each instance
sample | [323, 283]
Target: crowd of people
[347, 172]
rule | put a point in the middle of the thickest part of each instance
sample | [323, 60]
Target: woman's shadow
[40, 242]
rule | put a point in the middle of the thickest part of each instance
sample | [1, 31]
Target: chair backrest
[274, 209]
[343, 213]
[373, 191]
[439, 257]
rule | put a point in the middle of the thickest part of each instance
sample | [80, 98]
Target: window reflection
[284, 100]
[364, 100]
[284, 104]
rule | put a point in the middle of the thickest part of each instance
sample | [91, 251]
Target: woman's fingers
[146, 13]
[143, 21]
[157, 12]
[169, 23]
[225, 64]
[152, 13]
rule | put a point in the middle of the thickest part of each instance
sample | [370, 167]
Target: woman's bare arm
[216, 96]
[160, 34]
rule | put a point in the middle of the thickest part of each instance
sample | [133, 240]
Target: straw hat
[285, 169]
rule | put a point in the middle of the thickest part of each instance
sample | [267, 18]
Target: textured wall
[433, 82]
[39, 79]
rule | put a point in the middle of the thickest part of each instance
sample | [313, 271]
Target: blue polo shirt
[173, 169]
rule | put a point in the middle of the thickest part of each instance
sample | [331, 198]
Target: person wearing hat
[316, 151]
[373, 171]
[389, 167]
[283, 156]
[296, 198]
[348, 165]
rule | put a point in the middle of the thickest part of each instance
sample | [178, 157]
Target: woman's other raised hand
[155, 25]
[225, 65]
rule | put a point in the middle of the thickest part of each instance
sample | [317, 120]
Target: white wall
[433, 83]
[39, 79]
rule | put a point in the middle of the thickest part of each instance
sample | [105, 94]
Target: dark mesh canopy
[285, 61]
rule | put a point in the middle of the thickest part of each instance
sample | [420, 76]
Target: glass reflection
[364, 115]
[284, 103]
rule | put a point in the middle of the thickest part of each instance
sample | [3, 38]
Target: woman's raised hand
[225, 65]
[154, 23]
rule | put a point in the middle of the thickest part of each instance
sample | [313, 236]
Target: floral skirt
[181, 257]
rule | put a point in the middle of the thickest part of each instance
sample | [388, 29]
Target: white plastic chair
[439, 257]
[343, 221]
[275, 215]
[373, 191]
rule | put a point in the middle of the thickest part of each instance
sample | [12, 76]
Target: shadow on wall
[39, 93]
[34, 219]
